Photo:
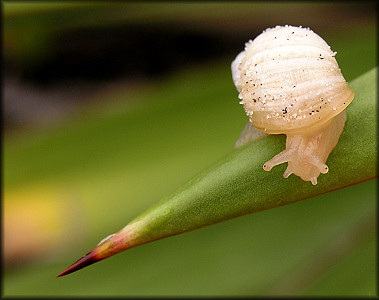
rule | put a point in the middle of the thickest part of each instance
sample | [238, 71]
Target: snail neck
[307, 151]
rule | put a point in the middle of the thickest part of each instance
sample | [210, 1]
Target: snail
[289, 83]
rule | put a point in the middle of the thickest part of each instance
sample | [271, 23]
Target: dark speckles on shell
[290, 71]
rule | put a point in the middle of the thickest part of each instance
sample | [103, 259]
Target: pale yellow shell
[289, 82]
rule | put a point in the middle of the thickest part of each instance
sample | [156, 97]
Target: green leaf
[237, 185]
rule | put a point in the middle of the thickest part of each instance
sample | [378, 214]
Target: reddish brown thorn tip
[85, 261]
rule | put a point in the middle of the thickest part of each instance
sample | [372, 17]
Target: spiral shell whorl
[288, 80]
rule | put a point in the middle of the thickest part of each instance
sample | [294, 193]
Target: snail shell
[289, 83]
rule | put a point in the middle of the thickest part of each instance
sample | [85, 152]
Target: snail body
[289, 83]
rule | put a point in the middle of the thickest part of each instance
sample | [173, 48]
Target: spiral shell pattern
[288, 80]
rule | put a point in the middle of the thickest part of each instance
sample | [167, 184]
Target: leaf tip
[108, 246]
[83, 262]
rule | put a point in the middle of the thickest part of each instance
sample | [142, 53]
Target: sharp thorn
[109, 246]
[83, 262]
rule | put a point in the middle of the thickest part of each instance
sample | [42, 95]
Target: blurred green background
[109, 107]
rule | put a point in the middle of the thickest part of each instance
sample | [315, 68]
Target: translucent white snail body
[289, 83]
